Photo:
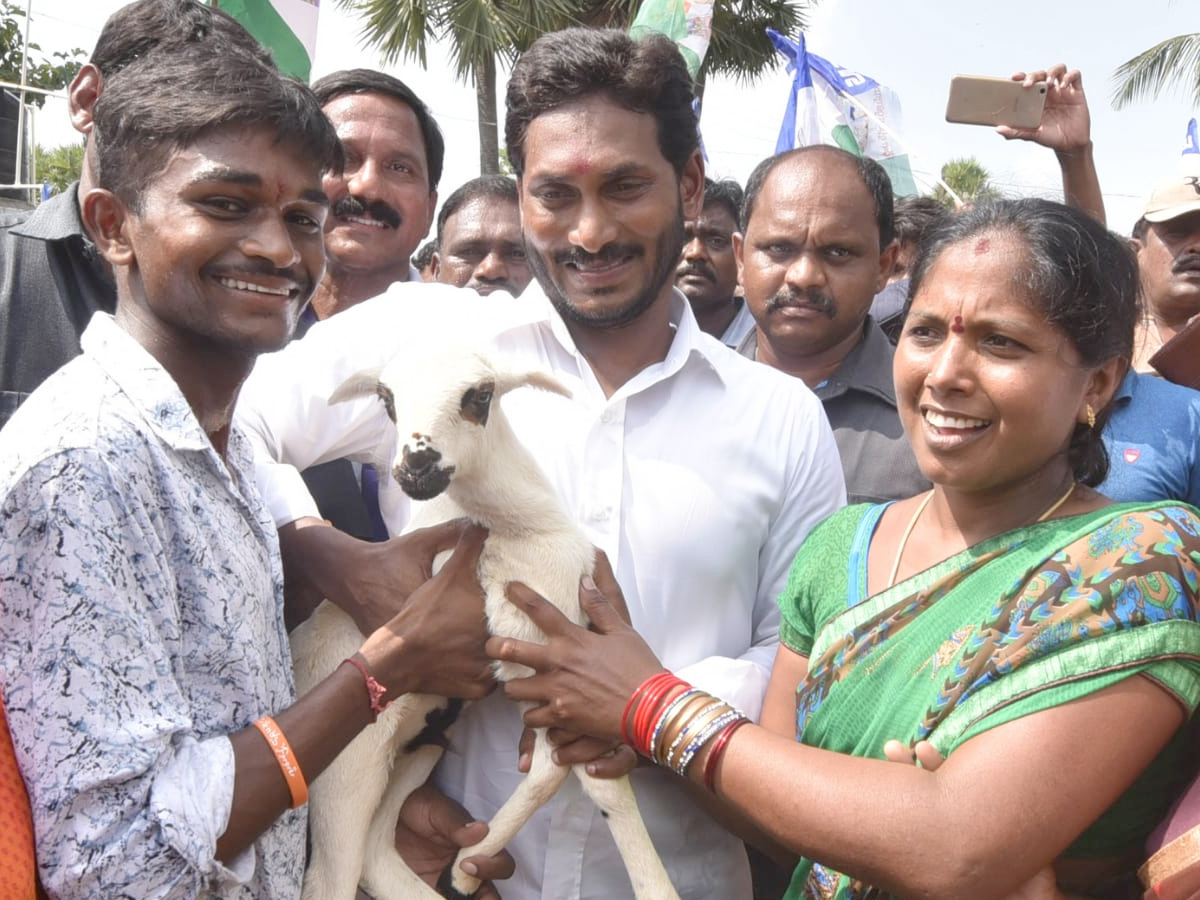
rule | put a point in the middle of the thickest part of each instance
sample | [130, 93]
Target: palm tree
[477, 32]
[970, 180]
[480, 31]
[1173, 61]
[58, 166]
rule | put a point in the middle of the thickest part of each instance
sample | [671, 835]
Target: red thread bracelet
[375, 690]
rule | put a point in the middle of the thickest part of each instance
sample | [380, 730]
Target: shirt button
[608, 417]
[602, 514]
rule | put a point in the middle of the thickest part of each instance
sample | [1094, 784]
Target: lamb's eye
[476, 403]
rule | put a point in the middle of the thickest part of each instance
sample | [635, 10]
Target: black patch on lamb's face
[389, 400]
[437, 727]
[419, 474]
[477, 402]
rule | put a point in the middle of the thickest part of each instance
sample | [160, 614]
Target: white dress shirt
[699, 478]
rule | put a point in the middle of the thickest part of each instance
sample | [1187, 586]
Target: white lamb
[457, 450]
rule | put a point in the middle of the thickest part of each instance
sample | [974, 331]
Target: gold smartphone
[983, 100]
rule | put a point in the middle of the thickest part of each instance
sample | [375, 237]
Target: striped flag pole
[288, 28]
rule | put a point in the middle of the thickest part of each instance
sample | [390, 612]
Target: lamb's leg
[385, 874]
[614, 797]
[544, 779]
[339, 829]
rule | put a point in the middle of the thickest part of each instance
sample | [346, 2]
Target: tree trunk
[485, 109]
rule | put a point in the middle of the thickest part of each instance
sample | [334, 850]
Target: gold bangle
[286, 758]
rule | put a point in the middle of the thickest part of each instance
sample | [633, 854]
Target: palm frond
[740, 46]
[399, 29]
[1175, 61]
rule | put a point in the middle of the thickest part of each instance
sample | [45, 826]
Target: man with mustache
[817, 245]
[707, 272]
[697, 472]
[382, 207]
[479, 244]
[1167, 240]
[383, 202]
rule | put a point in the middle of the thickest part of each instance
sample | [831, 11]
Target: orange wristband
[286, 758]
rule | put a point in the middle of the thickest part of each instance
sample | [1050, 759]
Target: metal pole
[21, 104]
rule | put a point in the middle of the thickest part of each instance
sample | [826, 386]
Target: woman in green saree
[1042, 639]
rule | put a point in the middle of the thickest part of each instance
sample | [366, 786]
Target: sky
[912, 47]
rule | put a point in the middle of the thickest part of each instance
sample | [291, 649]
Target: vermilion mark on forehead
[957, 326]
[581, 167]
[983, 245]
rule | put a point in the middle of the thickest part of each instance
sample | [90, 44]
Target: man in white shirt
[696, 471]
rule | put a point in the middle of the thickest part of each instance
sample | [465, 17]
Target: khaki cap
[1174, 197]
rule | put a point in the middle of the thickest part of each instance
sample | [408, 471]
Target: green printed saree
[1020, 623]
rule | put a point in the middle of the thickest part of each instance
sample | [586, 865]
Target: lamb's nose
[416, 462]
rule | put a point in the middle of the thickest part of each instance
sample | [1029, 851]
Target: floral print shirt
[141, 621]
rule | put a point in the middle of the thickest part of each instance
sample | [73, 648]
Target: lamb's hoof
[445, 886]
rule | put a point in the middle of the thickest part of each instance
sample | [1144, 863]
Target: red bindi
[957, 326]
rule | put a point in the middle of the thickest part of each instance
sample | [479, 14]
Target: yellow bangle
[286, 757]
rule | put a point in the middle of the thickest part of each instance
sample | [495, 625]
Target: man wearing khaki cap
[1167, 239]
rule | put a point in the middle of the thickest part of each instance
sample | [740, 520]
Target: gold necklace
[912, 523]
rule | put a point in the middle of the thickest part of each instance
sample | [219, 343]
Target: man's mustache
[610, 253]
[376, 209]
[810, 297]
[1189, 262]
[698, 269]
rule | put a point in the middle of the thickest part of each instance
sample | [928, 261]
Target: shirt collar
[55, 219]
[689, 341]
[866, 368]
[149, 387]
[1126, 388]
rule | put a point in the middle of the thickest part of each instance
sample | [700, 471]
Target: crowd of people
[905, 564]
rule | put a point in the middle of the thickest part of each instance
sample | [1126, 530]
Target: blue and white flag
[1192, 144]
[818, 112]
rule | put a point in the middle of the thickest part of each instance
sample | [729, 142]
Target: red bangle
[651, 708]
[718, 749]
[375, 690]
[636, 698]
[649, 698]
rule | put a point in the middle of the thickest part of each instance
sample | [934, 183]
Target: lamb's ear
[360, 384]
[535, 378]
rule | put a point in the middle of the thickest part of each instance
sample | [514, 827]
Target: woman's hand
[584, 677]
[1042, 886]
[603, 758]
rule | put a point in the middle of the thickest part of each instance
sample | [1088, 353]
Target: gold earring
[1091, 416]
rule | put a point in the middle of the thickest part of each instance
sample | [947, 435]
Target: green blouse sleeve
[818, 581]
